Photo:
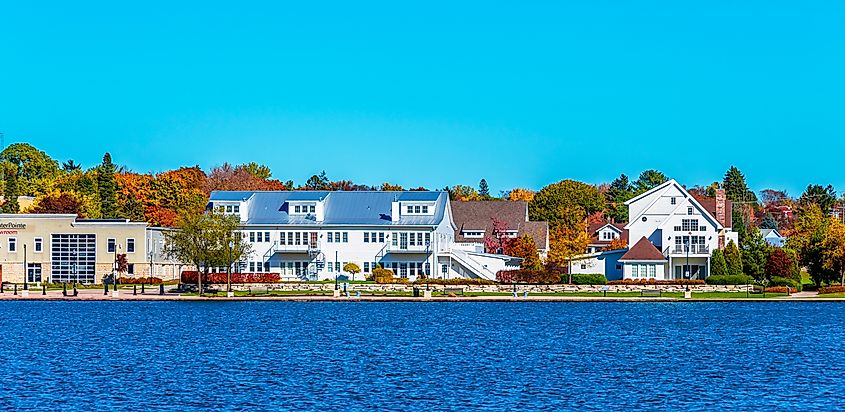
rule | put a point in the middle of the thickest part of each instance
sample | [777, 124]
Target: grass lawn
[832, 295]
[676, 295]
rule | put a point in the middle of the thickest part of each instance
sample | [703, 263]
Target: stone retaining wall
[372, 287]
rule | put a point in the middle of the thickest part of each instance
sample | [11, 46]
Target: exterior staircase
[465, 259]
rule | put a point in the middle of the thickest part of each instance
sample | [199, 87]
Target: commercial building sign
[11, 228]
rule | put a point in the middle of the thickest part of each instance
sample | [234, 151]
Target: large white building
[310, 235]
[671, 234]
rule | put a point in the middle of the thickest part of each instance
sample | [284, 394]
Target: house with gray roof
[311, 235]
[773, 237]
[474, 221]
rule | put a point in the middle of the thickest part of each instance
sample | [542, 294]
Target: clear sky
[431, 93]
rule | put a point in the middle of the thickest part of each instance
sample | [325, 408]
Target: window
[689, 210]
[702, 228]
[329, 237]
[72, 257]
[296, 209]
[651, 271]
[337, 267]
[410, 209]
[473, 234]
[381, 237]
[252, 237]
[252, 266]
[130, 245]
[583, 266]
[366, 267]
[337, 237]
[634, 273]
[131, 269]
[266, 236]
[267, 266]
[427, 239]
[331, 267]
[110, 245]
[417, 209]
[39, 245]
[297, 238]
[236, 208]
[618, 267]
[33, 272]
[673, 201]
[689, 225]
[643, 270]
[366, 237]
[312, 209]
[425, 209]
[403, 270]
[282, 238]
[345, 237]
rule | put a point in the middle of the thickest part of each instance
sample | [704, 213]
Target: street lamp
[229, 266]
[25, 270]
[114, 275]
[335, 272]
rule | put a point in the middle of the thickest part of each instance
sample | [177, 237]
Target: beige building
[63, 248]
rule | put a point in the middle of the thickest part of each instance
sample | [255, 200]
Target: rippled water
[420, 356]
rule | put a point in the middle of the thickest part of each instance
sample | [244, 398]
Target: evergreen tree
[107, 187]
[10, 188]
[617, 194]
[735, 187]
[718, 265]
[733, 259]
[769, 222]
[755, 253]
[649, 179]
[820, 195]
[483, 190]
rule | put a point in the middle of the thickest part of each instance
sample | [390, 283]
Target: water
[420, 356]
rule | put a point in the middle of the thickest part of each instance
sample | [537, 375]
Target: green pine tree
[735, 187]
[733, 259]
[718, 265]
[755, 253]
[483, 189]
[107, 187]
[10, 188]
[769, 222]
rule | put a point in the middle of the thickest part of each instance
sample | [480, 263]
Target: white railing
[692, 249]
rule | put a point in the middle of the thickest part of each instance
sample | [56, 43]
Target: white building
[311, 235]
[672, 234]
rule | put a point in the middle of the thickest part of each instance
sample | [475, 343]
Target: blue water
[420, 356]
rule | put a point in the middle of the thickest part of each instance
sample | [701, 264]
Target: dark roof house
[474, 220]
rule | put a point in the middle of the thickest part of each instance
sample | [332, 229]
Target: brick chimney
[720, 207]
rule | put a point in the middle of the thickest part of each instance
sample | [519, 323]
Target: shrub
[190, 277]
[528, 276]
[587, 279]
[729, 280]
[382, 275]
[138, 281]
[459, 281]
[831, 289]
[656, 282]
[778, 289]
[779, 281]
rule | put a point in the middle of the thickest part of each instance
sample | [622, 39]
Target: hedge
[528, 276]
[779, 281]
[831, 289]
[454, 282]
[138, 281]
[778, 289]
[656, 282]
[729, 280]
[586, 279]
[190, 277]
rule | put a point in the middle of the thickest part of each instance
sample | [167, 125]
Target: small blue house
[773, 237]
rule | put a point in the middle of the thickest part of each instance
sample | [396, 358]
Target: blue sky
[435, 93]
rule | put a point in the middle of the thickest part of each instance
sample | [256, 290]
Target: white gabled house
[672, 233]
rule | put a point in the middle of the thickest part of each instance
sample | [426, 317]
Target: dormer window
[417, 208]
[302, 209]
[689, 210]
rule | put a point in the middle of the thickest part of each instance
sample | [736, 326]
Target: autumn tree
[617, 244]
[388, 187]
[318, 182]
[107, 187]
[58, 202]
[518, 194]
[808, 238]
[497, 241]
[260, 172]
[524, 247]
[783, 263]
[833, 249]
[566, 203]
[248, 177]
[352, 269]
[462, 193]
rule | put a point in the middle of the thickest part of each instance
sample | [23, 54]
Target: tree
[824, 197]
[617, 244]
[566, 203]
[352, 269]
[388, 187]
[807, 238]
[35, 169]
[755, 253]
[833, 249]
[58, 202]
[258, 171]
[107, 186]
[524, 247]
[518, 194]
[121, 264]
[462, 193]
[565, 244]
[497, 241]
[735, 187]
[484, 190]
[783, 263]
[617, 194]
[718, 265]
[773, 197]
[203, 240]
[71, 166]
[318, 182]
[733, 259]
[769, 222]
[649, 179]
[10, 187]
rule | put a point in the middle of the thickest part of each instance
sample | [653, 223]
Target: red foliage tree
[497, 241]
[781, 263]
[58, 203]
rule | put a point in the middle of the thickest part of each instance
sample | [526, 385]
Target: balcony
[309, 249]
[691, 249]
[408, 248]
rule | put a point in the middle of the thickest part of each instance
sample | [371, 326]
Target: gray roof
[767, 232]
[341, 208]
